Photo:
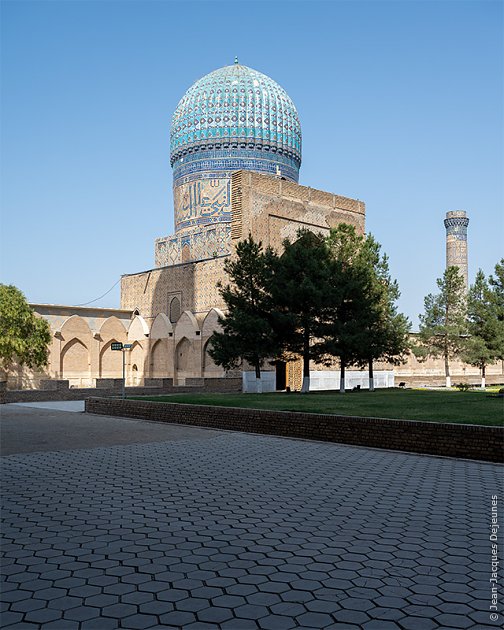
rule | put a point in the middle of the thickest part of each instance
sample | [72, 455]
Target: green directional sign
[116, 345]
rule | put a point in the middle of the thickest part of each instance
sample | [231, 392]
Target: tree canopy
[323, 297]
[24, 337]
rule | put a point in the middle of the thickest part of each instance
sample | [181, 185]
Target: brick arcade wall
[452, 440]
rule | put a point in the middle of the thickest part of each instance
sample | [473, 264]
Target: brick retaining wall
[224, 385]
[452, 440]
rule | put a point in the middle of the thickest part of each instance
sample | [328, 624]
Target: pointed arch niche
[75, 364]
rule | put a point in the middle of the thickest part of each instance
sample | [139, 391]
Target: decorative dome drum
[234, 118]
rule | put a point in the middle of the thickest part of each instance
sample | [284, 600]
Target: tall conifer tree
[443, 325]
[247, 331]
[301, 292]
[483, 326]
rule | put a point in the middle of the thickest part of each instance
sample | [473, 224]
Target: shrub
[462, 387]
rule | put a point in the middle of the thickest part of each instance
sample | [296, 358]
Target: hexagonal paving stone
[350, 616]
[314, 620]
[323, 606]
[27, 605]
[81, 613]
[296, 596]
[277, 622]
[418, 623]
[42, 616]
[100, 601]
[229, 601]
[377, 624]
[139, 622]
[263, 599]
[98, 623]
[156, 607]
[118, 611]
[239, 624]
[354, 603]
[172, 595]
[192, 604]
[288, 609]
[177, 618]
[454, 621]
[251, 611]
[215, 615]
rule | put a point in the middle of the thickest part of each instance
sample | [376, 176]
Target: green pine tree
[386, 330]
[483, 326]
[496, 297]
[443, 325]
[301, 293]
[247, 331]
[343, 329]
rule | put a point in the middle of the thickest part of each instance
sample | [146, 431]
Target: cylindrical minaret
[456, 223]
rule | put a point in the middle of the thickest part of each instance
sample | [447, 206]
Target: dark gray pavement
[112, 523]
[32, 427]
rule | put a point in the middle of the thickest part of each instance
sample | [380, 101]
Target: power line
[101, 296]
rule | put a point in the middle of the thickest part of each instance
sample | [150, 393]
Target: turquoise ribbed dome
[238, 114]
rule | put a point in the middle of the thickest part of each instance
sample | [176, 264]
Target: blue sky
[401, 105]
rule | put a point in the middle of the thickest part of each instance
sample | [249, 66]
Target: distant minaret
[456, 223]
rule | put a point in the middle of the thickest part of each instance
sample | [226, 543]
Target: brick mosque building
[236, 154]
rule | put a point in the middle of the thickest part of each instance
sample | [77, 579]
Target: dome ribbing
[236, 113]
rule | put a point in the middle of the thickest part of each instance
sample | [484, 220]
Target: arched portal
[159, 359]
[182, 356]
[110, 361]
[75, 366]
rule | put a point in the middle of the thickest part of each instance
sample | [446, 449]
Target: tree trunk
[342, 377]
[258, 387]
[447, 370]
[371, 376]
[483, 374]
[306, 363]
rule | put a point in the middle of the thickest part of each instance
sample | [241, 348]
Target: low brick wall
[452, 440]
[113, 388]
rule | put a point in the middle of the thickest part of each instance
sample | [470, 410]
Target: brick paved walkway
[240, 531]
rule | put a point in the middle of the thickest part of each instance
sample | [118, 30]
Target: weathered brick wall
[452, 440]
[273, 209]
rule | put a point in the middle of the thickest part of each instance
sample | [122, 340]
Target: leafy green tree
[483, 326]
[443, 325]
[247, 330]
[24, 337]
[300, 290]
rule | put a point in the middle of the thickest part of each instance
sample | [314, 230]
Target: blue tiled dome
[233, 118]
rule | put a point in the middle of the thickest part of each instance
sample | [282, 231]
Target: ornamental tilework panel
[202, 202]
[200, 244]
[223, 162]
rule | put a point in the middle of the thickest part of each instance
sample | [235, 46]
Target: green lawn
[472, 407]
